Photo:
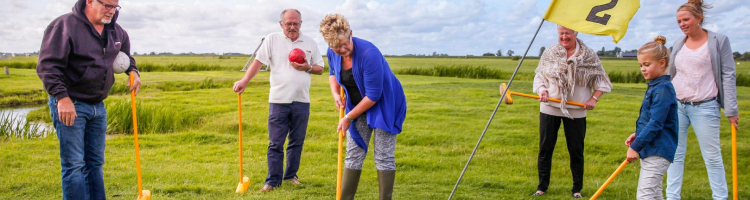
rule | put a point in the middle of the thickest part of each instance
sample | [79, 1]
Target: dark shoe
[386, 179]
[266, 188]
[349, 183]
[537, 194]
[577, 195]
[294, 181]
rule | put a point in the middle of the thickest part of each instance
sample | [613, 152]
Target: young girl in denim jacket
[655, 137]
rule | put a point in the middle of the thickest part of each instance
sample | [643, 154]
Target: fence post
[7, 72]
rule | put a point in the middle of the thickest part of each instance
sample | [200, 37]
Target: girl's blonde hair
[656, 49]
[696, 7]
[332, 27]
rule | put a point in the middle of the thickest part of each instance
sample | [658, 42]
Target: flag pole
[495, 111]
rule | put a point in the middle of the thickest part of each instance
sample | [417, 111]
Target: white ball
[122, 62]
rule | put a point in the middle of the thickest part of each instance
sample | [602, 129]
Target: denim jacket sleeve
[661, 99]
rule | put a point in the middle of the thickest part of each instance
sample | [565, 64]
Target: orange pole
[340, 172]
[609, 180]
[135, 136]
[735, 193]
[551, 99]
[239, 108]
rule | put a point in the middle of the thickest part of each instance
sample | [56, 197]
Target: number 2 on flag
[592, 17]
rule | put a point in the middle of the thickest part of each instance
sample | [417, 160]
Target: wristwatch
[136, 72]
[347, 118]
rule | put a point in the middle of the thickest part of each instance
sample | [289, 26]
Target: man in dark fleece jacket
[75, 65]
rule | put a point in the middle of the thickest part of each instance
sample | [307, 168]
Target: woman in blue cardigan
[375, 103]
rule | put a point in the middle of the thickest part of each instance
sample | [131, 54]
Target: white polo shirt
[288, 84]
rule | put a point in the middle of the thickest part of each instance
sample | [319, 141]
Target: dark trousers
[285, 120]
[575, 132]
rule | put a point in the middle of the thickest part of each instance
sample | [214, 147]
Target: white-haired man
[289, 96]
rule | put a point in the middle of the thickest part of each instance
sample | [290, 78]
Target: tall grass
[462, 71]
[207, 83]
[17, 127]
[144, 66]
[743, 79]
[183, 67]
[626, 77]
[23, 98]
[484, 72]
[152, 118]
[19, 65]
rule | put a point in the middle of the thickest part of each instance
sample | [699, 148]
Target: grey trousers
[650, 180]
[384, 147]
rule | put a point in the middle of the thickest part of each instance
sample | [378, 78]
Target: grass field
[194, 153]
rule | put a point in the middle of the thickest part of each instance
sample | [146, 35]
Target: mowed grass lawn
[445, 118]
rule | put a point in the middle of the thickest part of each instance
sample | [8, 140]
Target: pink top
[694, 80]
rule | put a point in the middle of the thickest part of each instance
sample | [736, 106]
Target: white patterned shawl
[584, 69]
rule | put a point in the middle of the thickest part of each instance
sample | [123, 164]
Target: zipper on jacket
[104, 51]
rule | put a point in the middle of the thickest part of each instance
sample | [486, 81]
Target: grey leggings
[384, 147]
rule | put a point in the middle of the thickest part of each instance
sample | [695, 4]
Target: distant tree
[602, 52]
[135, 53]
[488, 54]
[434, 53]
[737, 55]
[746, 56]
[541, 51]
[499, 52]
[152, 53]
[617, 50]
[510, 52]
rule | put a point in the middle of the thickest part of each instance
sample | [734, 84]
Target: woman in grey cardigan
[703, 74]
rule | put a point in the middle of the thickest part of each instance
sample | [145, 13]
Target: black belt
[695, 103]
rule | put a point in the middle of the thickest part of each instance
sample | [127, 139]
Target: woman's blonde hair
[695, 7]
[332, 27]
[656, 49]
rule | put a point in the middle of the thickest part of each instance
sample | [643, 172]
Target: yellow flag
[598, 17]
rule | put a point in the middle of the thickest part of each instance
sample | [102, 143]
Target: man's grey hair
[281, 18]
[574, 31]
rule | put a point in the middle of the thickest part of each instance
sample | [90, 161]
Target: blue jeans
[705, 119]
[82, 150]
[285, 120]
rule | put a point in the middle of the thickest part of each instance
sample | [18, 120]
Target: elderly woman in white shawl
[570, 71]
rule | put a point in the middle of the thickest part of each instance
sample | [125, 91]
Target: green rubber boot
[386, 178]
[349, 183]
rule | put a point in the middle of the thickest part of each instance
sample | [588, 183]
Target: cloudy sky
[396, 26]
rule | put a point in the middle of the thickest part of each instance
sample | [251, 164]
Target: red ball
[297, 56]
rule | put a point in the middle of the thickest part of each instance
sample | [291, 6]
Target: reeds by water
[15, 127]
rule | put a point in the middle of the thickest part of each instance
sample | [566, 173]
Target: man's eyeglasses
[291, 24]
[109, 7]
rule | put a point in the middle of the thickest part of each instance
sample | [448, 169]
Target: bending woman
[375, 103]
